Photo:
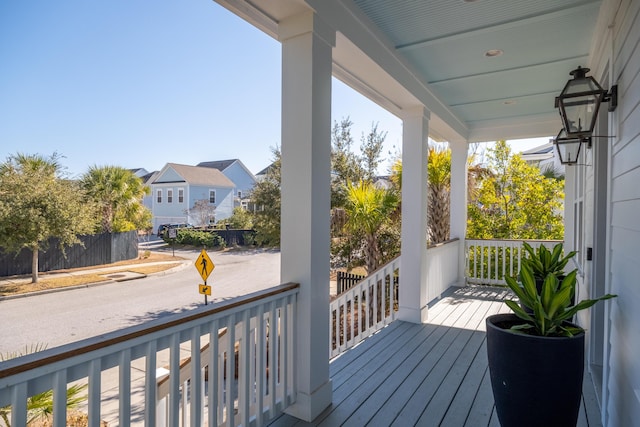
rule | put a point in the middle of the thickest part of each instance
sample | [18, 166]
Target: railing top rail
[513, 240]
[49, 356]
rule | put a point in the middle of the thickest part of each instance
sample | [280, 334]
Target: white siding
[622, 403]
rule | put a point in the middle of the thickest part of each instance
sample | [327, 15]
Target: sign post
[173, 235]
[205, 266]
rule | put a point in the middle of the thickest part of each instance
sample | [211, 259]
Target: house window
[180, 195]
[169, 196]
[239, 194]
[159, 196]
[212, 196]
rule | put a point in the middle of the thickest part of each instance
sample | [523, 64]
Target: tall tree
[37, 204]
[118, 194]
[345, 165]
[368, 209]
[266, 198]
[516, 202]
[438, 187]
[371, 149]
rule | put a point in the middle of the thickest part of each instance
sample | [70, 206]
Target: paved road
[63, 317]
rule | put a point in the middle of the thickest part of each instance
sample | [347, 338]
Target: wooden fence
[96, 249]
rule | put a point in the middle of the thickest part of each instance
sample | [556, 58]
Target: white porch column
[413, 263]
[306, 150]
[458, 200]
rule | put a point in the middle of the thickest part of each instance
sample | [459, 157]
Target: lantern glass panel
[568, 152]
[579, 103]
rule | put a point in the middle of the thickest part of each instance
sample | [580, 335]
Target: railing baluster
[124, 388]
[231, 370]
[151, 387]
[273, 331]
[174, 380]
[244, 373]
[184, 398]
[95, 381]
[213, 398]
[260, 364]
[196, 380]
[19, 405]
[60, 398]
[284, 355]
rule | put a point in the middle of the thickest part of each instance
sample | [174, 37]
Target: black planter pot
[536, 381]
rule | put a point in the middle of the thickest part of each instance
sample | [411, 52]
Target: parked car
[163, 228]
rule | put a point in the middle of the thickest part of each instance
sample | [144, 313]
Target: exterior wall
[224, 199]
[621, 404]
[242, 178]
[165, 212]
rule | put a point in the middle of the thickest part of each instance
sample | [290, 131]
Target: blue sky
[138, 84]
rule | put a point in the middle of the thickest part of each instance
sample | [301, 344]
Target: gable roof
[221, 165]
[196, 175]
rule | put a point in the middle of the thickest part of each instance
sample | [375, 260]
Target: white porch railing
[378, 301]
[489, 261]
[364, 309]
[234, 379]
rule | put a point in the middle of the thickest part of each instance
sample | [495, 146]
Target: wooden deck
[434, 374]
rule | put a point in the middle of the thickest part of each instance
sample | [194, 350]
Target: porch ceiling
[435, 50]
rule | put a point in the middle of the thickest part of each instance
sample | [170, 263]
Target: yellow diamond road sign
[205, 289]
[204, 265]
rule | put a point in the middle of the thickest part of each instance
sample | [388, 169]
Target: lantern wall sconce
[580, 101]
[569, 147]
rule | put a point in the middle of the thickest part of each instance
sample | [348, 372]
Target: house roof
[149, 177]
[197, 175]
[542, 152]
[221, 165]
[265, 170]
[138, 170]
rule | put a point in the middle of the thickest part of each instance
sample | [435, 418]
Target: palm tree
[439, 185]
[368, 208]
[118, 193]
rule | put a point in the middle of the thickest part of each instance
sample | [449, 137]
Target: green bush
[197, 238]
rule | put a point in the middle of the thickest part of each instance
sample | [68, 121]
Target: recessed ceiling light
[492, 53]
[469, 1]
[510, 102]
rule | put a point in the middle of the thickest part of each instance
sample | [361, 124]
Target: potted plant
[543, 262]
[536, 360]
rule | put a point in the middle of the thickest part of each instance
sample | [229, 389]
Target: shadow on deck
[434, 374]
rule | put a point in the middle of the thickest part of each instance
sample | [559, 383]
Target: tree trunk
[373, 255]
[34, 266]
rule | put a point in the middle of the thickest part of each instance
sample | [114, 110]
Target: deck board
[434, 374]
